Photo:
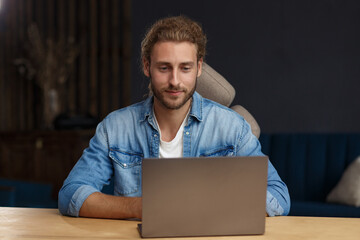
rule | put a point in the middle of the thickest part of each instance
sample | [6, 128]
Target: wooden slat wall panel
[73, 78]
[29, 96]
[2, 67]
[14, 100]
[104, 57]
[94, 57]
[126, 51]
[50, 19]
[9, 52]
[115, 54]
[100, 79]
[83, 66]
[21, 84]
[62, 37]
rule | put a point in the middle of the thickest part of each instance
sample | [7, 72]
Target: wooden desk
[30, 223]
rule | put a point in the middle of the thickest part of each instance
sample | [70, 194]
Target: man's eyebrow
[162, 63]
[188, 63]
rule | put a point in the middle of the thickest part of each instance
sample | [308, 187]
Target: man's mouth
[174, 92]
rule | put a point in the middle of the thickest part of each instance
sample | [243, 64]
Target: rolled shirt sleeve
[277, 197]
[89, 175]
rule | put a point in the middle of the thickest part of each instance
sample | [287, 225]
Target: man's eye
[163, 69]
[186, 69]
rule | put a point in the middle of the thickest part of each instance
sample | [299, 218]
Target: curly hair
[178, 29]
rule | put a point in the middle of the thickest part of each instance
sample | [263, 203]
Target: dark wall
[294, 64]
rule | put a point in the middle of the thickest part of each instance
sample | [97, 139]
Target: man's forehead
[191, 63]
[174, 44]
[168, 51]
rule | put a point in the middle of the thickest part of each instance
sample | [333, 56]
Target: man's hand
[99, 205]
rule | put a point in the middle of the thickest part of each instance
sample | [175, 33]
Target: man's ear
[200, 62]
[146, 67]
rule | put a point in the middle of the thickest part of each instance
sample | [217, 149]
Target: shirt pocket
[127, 172]
[219, 152]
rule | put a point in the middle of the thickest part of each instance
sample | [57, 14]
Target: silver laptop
[217, 196]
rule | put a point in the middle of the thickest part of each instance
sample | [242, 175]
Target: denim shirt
[128, 135]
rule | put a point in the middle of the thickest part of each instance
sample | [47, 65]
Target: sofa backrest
[310, 164]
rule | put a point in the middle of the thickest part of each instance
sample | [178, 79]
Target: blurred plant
[50, 63]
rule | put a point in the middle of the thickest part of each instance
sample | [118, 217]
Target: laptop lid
[203, 196]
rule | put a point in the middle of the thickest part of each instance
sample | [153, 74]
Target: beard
[173, 102]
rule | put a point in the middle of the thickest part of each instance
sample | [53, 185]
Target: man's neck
[170, 120]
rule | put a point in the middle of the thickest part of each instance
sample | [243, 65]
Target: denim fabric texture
[127, 135]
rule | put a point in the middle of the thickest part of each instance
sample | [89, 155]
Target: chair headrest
[213, 86]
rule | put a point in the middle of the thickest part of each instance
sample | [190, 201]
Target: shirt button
[187, 133]
[125, 164]
[155, 135]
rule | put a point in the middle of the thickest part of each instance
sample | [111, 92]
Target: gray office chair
[215, 87]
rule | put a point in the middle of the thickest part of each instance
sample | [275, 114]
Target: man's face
[173, 70]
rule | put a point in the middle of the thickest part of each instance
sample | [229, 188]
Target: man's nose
[174, 78]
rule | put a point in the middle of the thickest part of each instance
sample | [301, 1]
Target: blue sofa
[311, 165]
[16, 193]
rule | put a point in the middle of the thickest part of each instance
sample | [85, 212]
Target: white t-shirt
[174, 148]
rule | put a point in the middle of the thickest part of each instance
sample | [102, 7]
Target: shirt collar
[146, 110]
[197, 106]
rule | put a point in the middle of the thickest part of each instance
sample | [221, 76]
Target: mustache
[174, 88]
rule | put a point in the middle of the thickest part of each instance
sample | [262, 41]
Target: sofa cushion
[7, 196]
[322, 209]
[347, 191]
[310, 164]
[28, 194]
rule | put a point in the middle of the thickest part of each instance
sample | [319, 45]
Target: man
[175, 122]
